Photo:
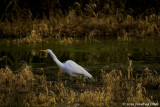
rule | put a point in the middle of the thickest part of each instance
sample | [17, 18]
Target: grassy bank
[118, 18]
[118, 26]
[113, 88]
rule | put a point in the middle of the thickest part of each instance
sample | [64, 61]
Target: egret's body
[70, 67]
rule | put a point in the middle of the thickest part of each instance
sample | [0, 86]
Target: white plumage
[70, 67]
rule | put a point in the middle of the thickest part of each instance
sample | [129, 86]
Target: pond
[92, 54]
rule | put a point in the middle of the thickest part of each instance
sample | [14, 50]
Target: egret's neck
[56, 60]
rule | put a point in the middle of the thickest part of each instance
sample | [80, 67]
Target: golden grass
[34, 37]
[119, 26]
[151, 78]
[96, 98]
[117, 86]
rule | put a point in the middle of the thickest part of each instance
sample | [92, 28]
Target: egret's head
[47, 51]
[50, 52]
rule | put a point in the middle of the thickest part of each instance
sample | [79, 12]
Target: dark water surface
[93, 55]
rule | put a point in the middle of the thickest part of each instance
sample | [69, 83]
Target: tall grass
[116, 87]
[84, 19]
[114, 26]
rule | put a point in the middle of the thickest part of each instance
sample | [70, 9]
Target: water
[93, 55]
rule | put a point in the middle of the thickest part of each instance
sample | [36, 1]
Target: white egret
[70, 67]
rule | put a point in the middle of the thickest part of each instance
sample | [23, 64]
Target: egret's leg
[60, 75]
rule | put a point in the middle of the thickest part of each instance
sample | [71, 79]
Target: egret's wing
[73, 68]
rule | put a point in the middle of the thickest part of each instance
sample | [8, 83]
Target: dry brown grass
[125, 87]
[119, 26]
[117, 86]
[131, 27]
[151, 78]
[33, 37]
[101, 97]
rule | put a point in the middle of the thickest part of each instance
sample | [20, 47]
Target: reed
[115, 19]
[116, 86]
[121, 27]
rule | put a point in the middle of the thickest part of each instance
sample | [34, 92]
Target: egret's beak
[43, 50]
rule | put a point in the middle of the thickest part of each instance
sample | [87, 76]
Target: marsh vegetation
[116, 40]
[115, 86]
[119, 19]
[122, 71]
